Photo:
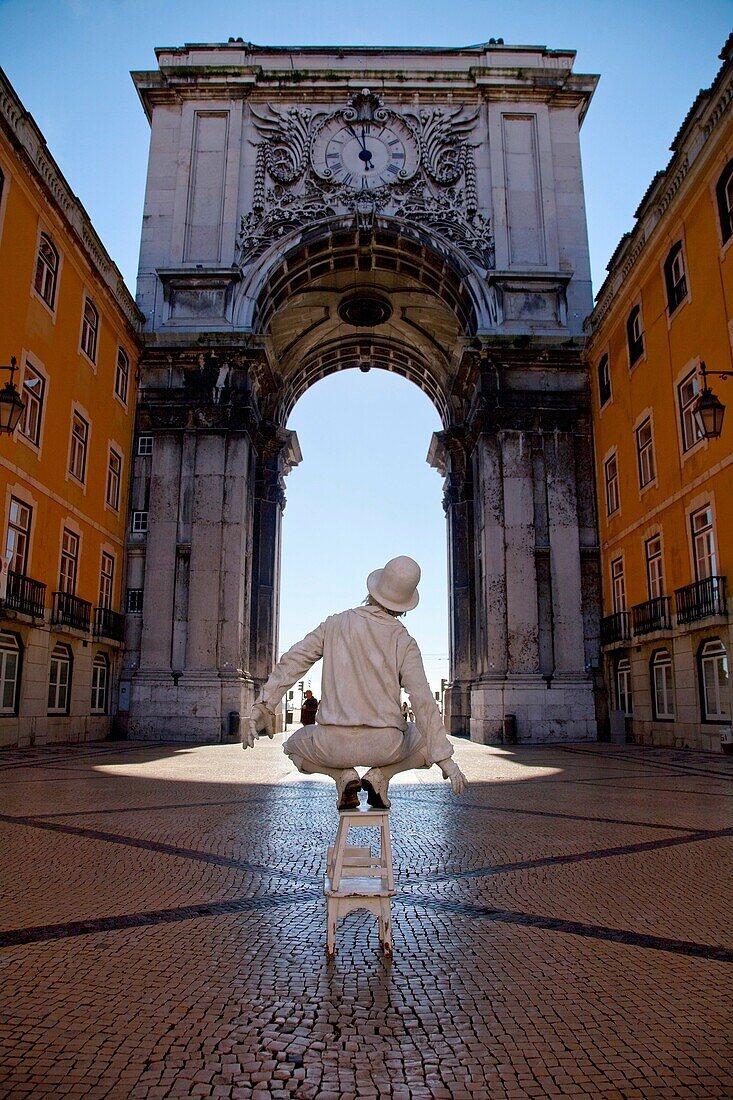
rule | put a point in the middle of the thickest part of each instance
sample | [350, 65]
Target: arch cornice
[325, 245]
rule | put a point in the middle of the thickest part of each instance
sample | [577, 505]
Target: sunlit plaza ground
[563, 929]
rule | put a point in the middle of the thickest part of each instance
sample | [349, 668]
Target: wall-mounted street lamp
[11, 403]
[708, 409]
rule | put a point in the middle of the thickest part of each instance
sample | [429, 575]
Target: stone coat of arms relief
[366, 160]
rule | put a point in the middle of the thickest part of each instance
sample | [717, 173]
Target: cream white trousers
[354, 746]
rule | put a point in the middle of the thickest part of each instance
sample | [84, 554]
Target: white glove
[451, 771]
[260, 719]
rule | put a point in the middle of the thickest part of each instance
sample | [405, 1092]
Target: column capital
[278, 451]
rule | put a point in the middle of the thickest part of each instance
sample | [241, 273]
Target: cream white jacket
[368, 656]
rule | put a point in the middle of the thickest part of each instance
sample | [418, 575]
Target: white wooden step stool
[356, 879]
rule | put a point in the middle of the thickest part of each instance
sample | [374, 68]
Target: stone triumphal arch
[316, 209]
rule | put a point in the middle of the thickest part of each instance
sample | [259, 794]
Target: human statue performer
[368, 656]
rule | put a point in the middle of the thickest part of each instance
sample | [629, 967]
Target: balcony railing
[615, 628]
[108, 624]
[69, 610]
[651, 615]
[698, 600]
[26, 595]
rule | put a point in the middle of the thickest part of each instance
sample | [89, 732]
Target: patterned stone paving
[563, 929]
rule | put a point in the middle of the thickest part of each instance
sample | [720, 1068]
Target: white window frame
[122, 375]
[654, 560]
[716, 657]
[47, 270]
[637, 334]
[144, 445]
[624, 695]
[690, 435]
[704, 556]
[139, 525]
[106, 580]
[613, 494]
[134, 601]
[79, 447]
[100, 684]
[114, 479]
[89, 338]
[662, 685]
[618, 584]
[603, 375]
[70, 548]
[60, 672]
[10, 673]
[18, 529]
[645, 459]
[35, 383]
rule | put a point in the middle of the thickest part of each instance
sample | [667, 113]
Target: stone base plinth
[192, 707]
[564, 711]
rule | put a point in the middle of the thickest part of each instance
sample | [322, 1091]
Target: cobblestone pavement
[562, 929]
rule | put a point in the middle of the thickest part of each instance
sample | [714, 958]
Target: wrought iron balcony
[615, 628]
[69, 610]
[108, 624]
[651, 615]
[698, 600]
[26, 595]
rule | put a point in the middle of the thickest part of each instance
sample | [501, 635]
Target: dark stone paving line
[639, 759]
[243, 803]
[712, 952]
[163, 849]
[573, 857]
[18, 937]
[438, 876]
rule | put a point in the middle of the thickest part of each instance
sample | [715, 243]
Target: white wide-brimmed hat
[395, 586]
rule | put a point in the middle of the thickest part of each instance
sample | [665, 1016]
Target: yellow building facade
[665, 491]
[68, 319]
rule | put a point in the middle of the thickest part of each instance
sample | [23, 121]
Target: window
[635, 335]
[618, 584]
[604, 380]
[114, 470]
[9, 673]
[135, 601]
[654, 567]
[89, 330]
[100, 679]
[645, 453]
[69, 562]
[106, 580]
[34, 392]
[59, 680]
[687, 392]
[17, 543]
[714, 681]
[675, 277]
[47, 269]
[703, 543]
[724, 194]
[122, 375]
[2, 184]
[613, 501]
[139, 523]
[78, 453]
[145, 445]
[662, 685]
[623, 687]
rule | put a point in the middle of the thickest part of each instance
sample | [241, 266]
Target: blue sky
[363, 492]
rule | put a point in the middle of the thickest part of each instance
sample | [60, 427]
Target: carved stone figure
[368, 656]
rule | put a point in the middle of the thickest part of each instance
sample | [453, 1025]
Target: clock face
[365, 155]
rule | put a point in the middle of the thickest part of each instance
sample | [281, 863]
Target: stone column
[449, 454]
[565, 572]
[521, 576]
[160, 556]
[278, 451]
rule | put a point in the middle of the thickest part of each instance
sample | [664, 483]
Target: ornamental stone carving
[365, 160]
